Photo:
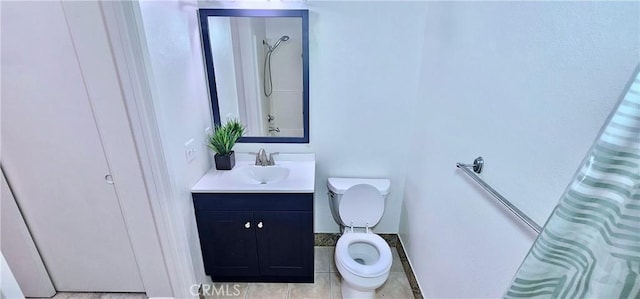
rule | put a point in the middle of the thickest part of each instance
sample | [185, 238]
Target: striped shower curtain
[590, 246]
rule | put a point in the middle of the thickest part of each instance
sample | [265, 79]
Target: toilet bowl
[364, 262]
[362, 257]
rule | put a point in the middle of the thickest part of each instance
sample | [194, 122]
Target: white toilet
[362, 257]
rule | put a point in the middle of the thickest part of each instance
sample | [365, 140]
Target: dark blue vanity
[256, 237]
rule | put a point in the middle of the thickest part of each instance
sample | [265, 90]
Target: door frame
[123, 22]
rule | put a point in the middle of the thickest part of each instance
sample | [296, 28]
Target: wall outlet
[190, 151]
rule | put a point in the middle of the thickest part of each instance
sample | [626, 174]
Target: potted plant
[222, 140]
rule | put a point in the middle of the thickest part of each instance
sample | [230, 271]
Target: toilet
[362, 257]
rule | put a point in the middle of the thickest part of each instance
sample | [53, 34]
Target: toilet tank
[337, 187]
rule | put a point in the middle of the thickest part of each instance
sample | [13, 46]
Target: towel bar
[476, 167]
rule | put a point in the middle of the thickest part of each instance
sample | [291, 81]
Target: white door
[53, 156]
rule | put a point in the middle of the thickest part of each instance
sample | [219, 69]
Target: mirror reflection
[258, 69]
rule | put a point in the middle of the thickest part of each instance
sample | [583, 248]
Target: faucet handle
[261, 157]
[257, 157]
[271, 161]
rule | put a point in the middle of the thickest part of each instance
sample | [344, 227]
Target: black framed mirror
[258, 71]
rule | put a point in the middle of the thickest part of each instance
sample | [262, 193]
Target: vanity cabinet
[256, 237]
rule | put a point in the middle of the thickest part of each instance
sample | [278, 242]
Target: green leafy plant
[225, 136]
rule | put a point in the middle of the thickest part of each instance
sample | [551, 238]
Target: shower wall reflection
[258, 70]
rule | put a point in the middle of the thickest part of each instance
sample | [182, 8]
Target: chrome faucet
[263, 160]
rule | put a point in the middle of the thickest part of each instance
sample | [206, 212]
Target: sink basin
[265, 174]
[293, 173]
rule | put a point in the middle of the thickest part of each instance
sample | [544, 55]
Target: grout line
[330, 284]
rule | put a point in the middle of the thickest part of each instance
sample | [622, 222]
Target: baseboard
[406, 263]
[330, 239]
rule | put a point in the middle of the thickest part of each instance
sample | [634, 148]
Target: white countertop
[301, 178]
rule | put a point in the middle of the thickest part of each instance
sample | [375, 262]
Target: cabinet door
[285, 244]
[228, 244]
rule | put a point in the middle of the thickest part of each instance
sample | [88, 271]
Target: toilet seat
[382, 265]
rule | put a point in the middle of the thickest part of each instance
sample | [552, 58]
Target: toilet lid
[361, 206]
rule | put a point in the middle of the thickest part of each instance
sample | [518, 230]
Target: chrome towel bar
[476, 167]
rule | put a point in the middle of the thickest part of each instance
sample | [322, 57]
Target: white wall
[23, 258]
[364, 72]
[527, 86]
[9, 287]
[181, 103]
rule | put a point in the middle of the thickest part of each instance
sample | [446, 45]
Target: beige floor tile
[123, 296]
[332, 265]
[226, 290]
[396, 287]
[396, 266]
[336, 292]
[320, 289]
[268, 291]
[324, 259]
[76, 295]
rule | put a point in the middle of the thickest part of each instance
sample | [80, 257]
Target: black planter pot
[225, 162]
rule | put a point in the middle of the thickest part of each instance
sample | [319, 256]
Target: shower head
[283, 38]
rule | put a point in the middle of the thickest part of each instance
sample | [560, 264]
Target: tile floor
[63, 295]
[326, 285]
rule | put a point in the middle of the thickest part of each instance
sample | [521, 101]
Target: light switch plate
[190, 151]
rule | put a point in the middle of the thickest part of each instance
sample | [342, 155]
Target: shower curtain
[590, 246]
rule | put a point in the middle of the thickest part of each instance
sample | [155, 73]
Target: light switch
[190, 151]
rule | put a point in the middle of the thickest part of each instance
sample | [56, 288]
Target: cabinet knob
[247, 225]
[260, 224]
